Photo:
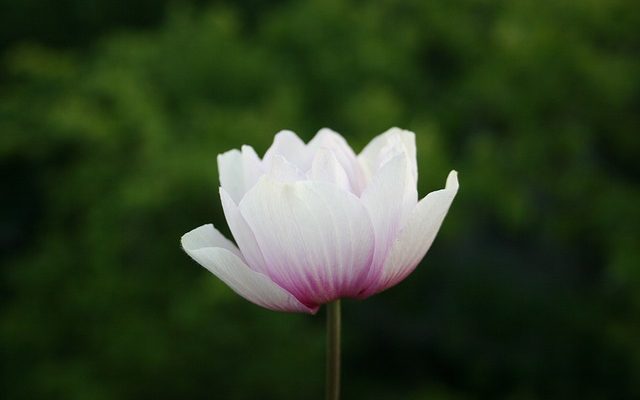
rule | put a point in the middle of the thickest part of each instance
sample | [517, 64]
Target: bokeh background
[112, 113]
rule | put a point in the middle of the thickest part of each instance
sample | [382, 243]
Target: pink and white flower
[315, 222]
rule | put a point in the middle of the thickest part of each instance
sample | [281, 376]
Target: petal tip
[286, 133]
[395, 130]
[452, 180]
[247, 149]
[328, 131]
[229, 153]
[190, 240]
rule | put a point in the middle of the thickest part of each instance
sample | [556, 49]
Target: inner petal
[288, 145]
[344, 154]
[326, 168]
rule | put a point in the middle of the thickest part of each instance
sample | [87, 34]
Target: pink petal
[389, 199]
[417, 236]
[227, 266]
[316, 239]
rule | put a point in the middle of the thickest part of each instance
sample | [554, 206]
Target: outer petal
[208, 236]
[389, 199]
[316, 239]
[417, 236]
[328, 139]
[239, 171]
[383, 147]
[288, 145]
[227, 266]
[242, 233]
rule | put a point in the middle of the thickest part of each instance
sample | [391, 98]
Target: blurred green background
[112, 113]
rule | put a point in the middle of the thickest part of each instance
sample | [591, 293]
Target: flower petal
[418, 234]
[284, 171]
[326, 168]
[384, 147]
[207, 236]
[242, 233]
[389, 199]
[329, 139]
[291, 147]
[316, 239]
[239, 171]
[227, 266]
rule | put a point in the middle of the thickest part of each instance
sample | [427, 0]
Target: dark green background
[111, 117]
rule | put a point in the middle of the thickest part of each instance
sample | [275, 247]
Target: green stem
[333, 350]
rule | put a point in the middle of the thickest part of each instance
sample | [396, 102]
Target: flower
[315, 223]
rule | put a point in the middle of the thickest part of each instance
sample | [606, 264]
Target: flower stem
[333, 350]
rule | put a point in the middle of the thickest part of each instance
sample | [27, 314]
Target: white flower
[314, 222]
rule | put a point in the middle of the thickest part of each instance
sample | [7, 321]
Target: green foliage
[532, 290]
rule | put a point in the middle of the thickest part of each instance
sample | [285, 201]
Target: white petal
[242, 233]
[316, 239]
[328, 139]
[384, 147]
[417, 236]
[208, 236]
[251, 285]
[389, 198]
[252, 166]
[288, 145]
[239, 171]
[326, 168]
[284, 171]
[230, 171]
